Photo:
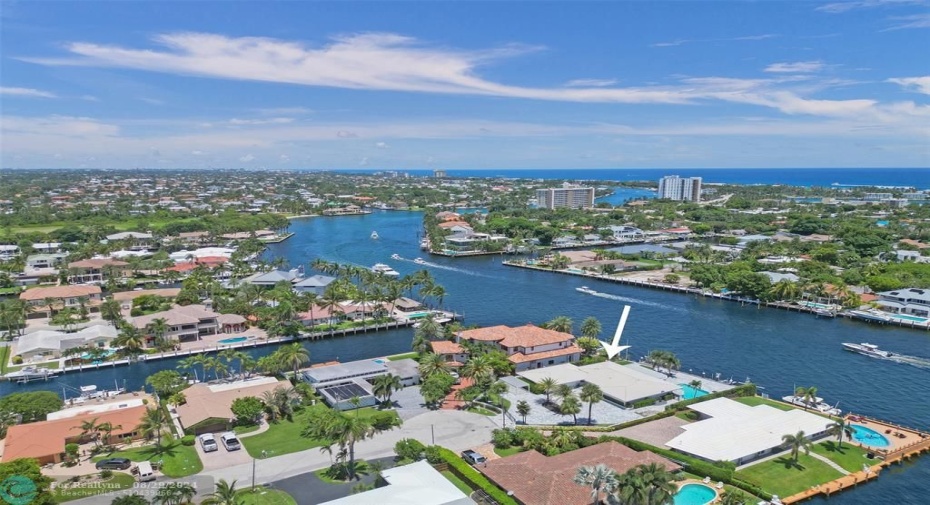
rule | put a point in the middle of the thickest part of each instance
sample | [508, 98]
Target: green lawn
[241, 430]
[284, 437]
[752, 401]
[67, 491]
[263, 496]
[53, 365]
[459, 483]
[508, 451]
[177, 460]
[783, 477]
[398, 357]
[479, 410]
[4, 358]
[850, 457]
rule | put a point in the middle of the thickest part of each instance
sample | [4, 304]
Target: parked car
[208, 442]
[114, 464]
[473, 457]
[144, 472]
[230, 442]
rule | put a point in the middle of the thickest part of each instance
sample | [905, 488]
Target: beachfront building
[568, 196]
[527, 347]
[46, 301]
[534, 479]
[338, 383]
[623, 385]
[45, 440]
[209, 406]
[683, 189]
[95, 270]
[44, 345]
[913, 301]
[187, 323]
[735, 432]
[416, 483]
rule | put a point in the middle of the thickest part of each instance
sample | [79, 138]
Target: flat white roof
[94, 408]
[329, 373]
[417, 483]
[736, 431]
[621, 382]
[254, 381]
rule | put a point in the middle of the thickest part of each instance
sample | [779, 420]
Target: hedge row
[716, 471]
[464, 471]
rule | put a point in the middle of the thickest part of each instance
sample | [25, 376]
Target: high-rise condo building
[573, 197]
[686, 189]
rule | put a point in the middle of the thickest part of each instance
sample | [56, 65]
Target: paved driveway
[308, 489]
[221, 458]
[409, 402]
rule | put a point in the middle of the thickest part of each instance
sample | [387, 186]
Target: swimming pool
[692, 392]
[379, 361]
[907, 317]
[417, 315]
[234, 340]
[868, 436]
[694, 494]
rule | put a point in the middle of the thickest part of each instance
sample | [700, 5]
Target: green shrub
[537, 389]
[384, 420]
[187, 440]
[409, 448]
[464, 471]
[433, 454]
[17, 360]
[644, 403]
[106, 474]
[503, 438]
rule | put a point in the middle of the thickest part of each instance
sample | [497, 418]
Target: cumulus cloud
[381, 145]
[912, 21]
[248, 158]
[590, 83]
[26, 92]
[917, 84]
[841, 7]
[798, 67]
[197, 152]
[273, 120]
[343, 134]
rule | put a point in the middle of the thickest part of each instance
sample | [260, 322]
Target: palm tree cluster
[174, 493]
[222, 365]
[807, 394]
[650, 484]
[384, 386]
[663, 359]
[13, 315]
[333, 427]
[280, 402]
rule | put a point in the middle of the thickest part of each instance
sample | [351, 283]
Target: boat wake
[444, 267]
[911, 360]
[635, 300]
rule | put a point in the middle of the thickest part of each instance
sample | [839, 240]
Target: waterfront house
[9, 252]
[359, 311]
[45, 440]
[405, 305]
[338, 383]
[208, 406]
[44, 345]
[626, 386]
[136, 241]
[452, 352]
[269, 279]
[186, 323]
[626, 233]
[47, 247]
[315, 284]
[318, 315]
[529, 346]
[738, 433]
[45, 260]
[60, 297]
[535, 479]
[95, 270]
[417, 483]
[913, 301]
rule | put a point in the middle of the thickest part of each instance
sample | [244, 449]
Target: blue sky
[402, 85]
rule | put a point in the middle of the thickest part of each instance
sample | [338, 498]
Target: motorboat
[420, 261]
[816, 404]
[374, 235]
[824, 313]
[586, 289]
[31, 373]
[866, 349]
[381, 268]
[395, 256]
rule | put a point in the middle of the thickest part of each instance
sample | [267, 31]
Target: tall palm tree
[153, 423]
[630, 489]
[570, 406]
[591, 394]
[293, 356]
[658, 482]
[130, 339]
[796, 443]
[432, 363]
[110, 311]
[561, 323]
[523, 408]
[89, 428]
[807, 394]
[225, 494]
[598, 478]
[479, 368]
[548, 386]
[838, 428]
[107, 429]
[385, 385]
[338, 428]
[591, 327]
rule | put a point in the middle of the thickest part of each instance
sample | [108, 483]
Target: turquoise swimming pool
[908, 317]
[692, 392]
[694, 494]
[868, 436]
[234, 340]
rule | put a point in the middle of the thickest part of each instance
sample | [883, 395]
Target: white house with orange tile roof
[453, 352]
[529, 346]
[64, 297]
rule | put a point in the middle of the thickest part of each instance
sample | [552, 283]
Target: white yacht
[867, 349]
[586, 289]
[374, 235]
[396, 256]
[381, 268]
[31, 373]
[817, 404]
[420, 261]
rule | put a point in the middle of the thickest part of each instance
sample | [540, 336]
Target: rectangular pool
[692, 392]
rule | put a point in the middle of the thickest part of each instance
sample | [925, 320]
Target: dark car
[473, 457]
[114, 464]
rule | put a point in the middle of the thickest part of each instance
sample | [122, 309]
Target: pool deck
[912, 443]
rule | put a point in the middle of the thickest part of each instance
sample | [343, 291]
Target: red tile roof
[446, 347]
[521, 336]
[535, 479]
[59, 292]
[97, 263]
[522, 358]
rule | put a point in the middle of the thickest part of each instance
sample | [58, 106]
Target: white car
[230, 442]
[208, 443]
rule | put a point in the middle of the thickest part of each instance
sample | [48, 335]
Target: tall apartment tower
[687, 189]
[573, 197]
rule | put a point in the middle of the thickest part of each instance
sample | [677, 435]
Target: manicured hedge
[464, 471]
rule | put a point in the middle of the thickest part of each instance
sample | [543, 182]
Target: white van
[146, 474]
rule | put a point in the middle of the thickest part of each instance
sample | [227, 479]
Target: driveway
[408, 402]
[221, 458]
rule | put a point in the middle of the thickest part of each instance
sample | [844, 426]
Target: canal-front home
[529, 346]
[60, 297]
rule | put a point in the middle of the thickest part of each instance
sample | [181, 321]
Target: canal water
[775, 349]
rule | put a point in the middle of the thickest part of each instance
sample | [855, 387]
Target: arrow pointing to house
[614, 348]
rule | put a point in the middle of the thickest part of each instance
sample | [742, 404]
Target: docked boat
[31, 373]
[374, 235]
[381, 268]
[420, 261]
[396, 256]
[817, 404]
[870, 315]
[824, 313]
[867, 349]
[586, 289]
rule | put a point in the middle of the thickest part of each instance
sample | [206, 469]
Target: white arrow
[614, 348]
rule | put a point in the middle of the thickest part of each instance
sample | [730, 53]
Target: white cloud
[841, 7]
[90, 98]
[343, 134]
[27, 92]
[912, 21]
[363, 162]
[798, 67]
[197, 152]
[917, 84]
[590, 83]
[284, 111]
[274, 120]
[284, 158]
[248, 158]
[381, 145]
[679, 42]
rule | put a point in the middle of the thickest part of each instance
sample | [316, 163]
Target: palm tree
[153, 423]
[591, 327]
[110, 311]
[838, 428]
[107, 428]
[797, 442]
[130, 339]
[339, 428]
[293, 356]
[90, 429]
[658, 482]
[548, 386]
[630, 489]
[734, 497]
[570, 406]
[479, 368]
[225, 494]
[385, 385]
[523, 408]
[591, 394]
[563, 391]
[189, 363]
[431, 364]
[561, 323]
[598, 478]
[807, 394]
